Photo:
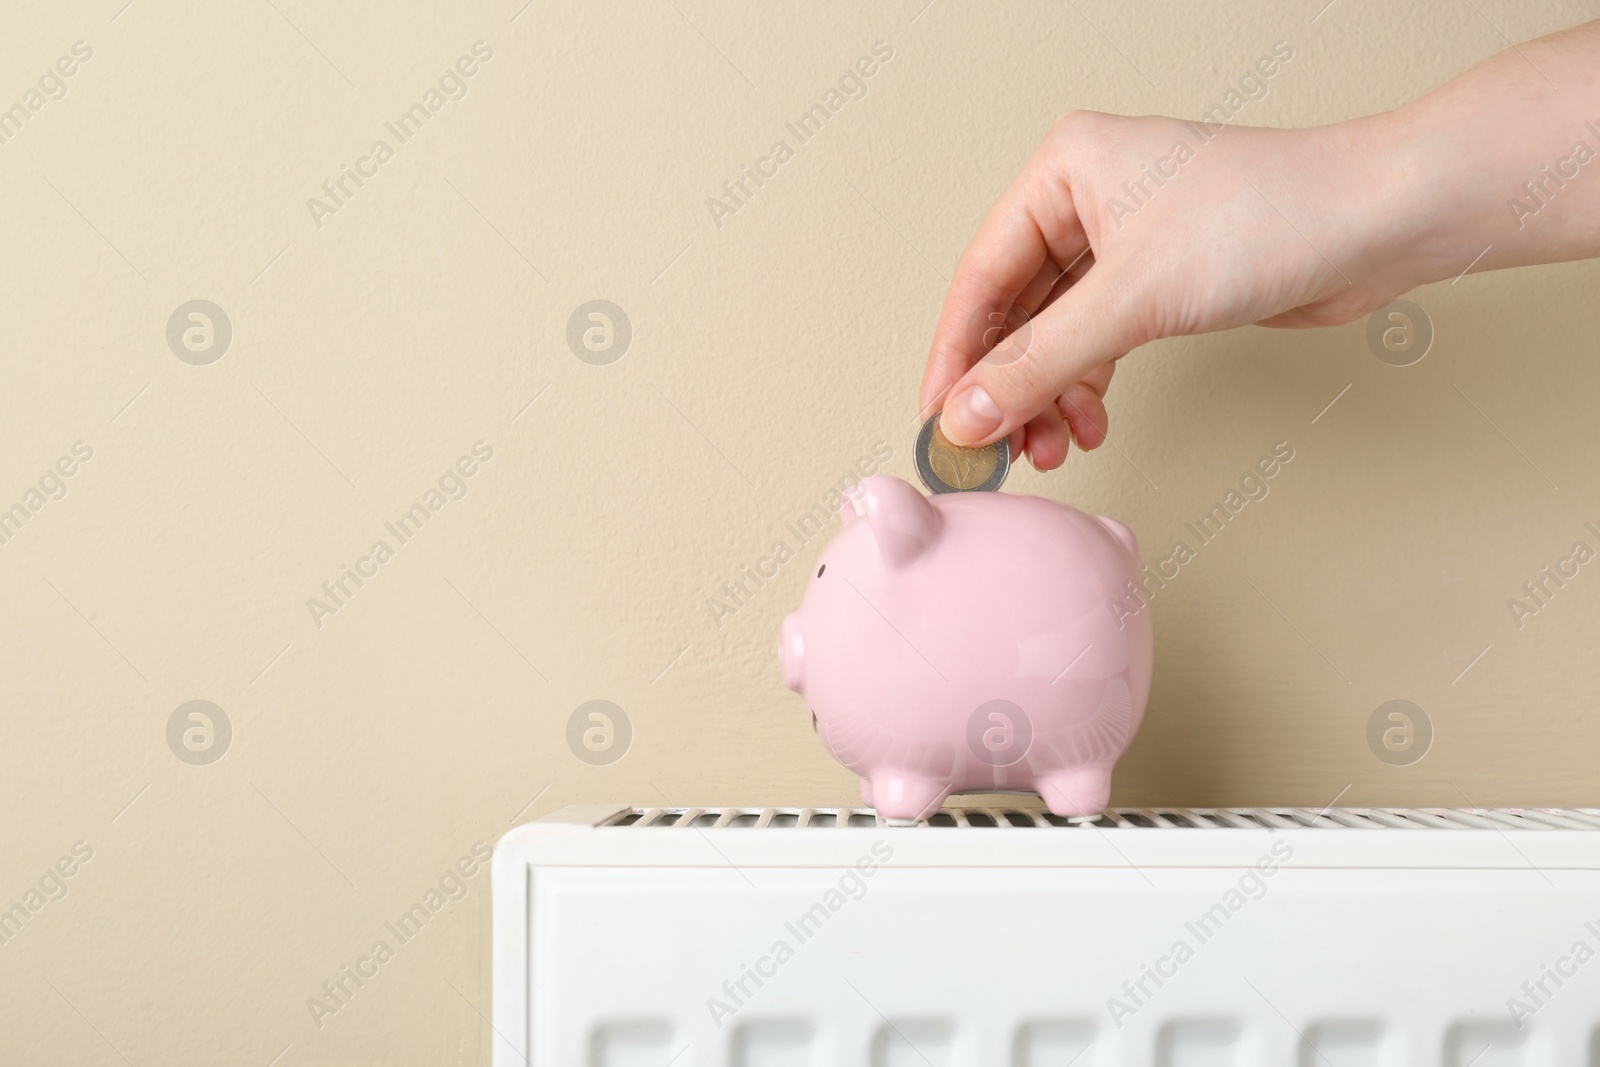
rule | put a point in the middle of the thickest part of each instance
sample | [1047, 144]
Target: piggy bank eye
[821, 569]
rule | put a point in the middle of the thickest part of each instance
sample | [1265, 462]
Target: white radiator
[746, 937]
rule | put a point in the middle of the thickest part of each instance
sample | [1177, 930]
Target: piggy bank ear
[902, 521]
[1121, 533]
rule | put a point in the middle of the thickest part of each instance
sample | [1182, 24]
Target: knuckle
[1074, 124]
[1076, 403]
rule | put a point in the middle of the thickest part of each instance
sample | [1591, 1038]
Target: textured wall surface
[362, 349]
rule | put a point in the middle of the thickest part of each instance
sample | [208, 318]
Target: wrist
[1408, 227]
[1484, 172]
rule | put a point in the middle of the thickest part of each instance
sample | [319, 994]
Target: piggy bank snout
[791, 652]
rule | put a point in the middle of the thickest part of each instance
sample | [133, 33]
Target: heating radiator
[761, 937]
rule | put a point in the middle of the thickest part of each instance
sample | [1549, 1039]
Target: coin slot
[821, 569]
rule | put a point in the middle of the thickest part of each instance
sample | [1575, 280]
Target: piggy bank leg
[1077, 790]
[903, 799]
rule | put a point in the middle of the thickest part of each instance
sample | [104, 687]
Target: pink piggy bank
[972, 642]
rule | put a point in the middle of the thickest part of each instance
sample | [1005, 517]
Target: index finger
[1033, 224]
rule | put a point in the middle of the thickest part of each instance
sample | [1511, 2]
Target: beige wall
[374, 346]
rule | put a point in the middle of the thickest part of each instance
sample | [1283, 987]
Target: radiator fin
[775, 1043]
[914, 1043]
[1199, 1043]
[1343, 1043]
[989, 817]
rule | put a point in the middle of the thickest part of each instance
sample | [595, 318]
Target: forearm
[1501, 166]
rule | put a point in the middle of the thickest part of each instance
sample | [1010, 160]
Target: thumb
[1023, 375]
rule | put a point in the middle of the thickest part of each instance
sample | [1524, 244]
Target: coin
[947, 468]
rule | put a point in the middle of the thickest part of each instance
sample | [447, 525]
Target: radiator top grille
[1005, 817]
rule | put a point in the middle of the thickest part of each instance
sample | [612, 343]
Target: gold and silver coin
[948, 468]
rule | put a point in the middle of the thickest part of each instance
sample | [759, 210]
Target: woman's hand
[1120, 231]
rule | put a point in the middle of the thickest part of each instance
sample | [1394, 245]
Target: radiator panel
[838, 954]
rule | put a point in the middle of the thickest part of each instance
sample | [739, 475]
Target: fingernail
[973, 414]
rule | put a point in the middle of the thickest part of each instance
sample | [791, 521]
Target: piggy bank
[972, 642]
